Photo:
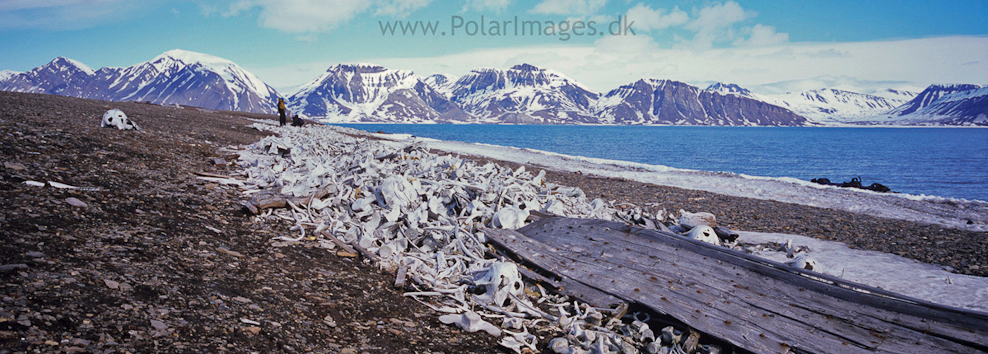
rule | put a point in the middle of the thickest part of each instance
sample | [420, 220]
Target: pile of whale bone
[421, 213]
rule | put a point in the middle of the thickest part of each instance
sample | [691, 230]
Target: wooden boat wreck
[754, 304]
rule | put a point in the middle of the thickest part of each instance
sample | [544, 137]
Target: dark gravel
[138, 269]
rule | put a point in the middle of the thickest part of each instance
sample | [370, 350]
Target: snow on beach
[421, 212]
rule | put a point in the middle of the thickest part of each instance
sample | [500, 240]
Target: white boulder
[691, 220]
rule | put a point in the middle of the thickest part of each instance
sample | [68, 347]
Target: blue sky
[853, 44]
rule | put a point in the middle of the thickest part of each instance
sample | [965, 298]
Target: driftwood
[264, 200]
[342, 245]
[401, 277]
[274, 199]
[365, 253]
[216, 175]
[755, 304]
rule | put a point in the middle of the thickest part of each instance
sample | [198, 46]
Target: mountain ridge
[174, 77]
[521, 94]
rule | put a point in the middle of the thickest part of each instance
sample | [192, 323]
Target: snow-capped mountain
[943, 105]
[928, 96]
[442, 83]
[176, 76]
[834, 106]
[372, 93]
[826, 106]
[193, 79]
[655, 101]
[7, 74]
[523, 94]
[733, 89]
[893, 94]
[61, 76]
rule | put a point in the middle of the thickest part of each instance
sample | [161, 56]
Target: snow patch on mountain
[827, 106]
[78, 65]
[929, 95]
[844, 83]
[230, 71]
[965, 105]
[894, 94]
[730, 89]
[671, 102]
[523, 94]
[174, 77]
[7, 74]
[373, 93]
[442, 83]
[831, 106]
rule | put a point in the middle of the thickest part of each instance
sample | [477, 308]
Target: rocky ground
[148, 258]
[160, 261]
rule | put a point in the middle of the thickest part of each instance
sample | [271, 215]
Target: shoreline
[962, 214]
[320, 121]
[915, 189]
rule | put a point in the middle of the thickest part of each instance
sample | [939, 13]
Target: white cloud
[647, 19]
[715, 23]
[10, 5]
[399, 8]
[314, 16]
[569, 7]
[486, 5]
[66, 14]
[762, 36]
[301, 16]
[719, 16]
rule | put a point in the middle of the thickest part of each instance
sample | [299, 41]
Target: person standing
[281, 111]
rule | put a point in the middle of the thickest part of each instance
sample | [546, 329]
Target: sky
[768, 46]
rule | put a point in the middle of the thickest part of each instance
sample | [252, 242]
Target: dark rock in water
[726, 234]
[878, 187]
[854, 183]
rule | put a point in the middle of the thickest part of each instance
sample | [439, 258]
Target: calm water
[948, 162]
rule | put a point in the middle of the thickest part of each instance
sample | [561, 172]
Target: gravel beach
[157, 260]
[145, 257]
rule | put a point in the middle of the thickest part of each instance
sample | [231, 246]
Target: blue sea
[946, 162]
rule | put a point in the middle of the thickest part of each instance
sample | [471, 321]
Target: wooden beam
[755, 304]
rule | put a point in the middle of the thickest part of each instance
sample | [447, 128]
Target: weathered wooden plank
[755, 304]
[564, 285]
[818, 304]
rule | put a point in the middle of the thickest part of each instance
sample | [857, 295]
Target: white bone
[704, 233]
[116, 118]
[471, 322]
